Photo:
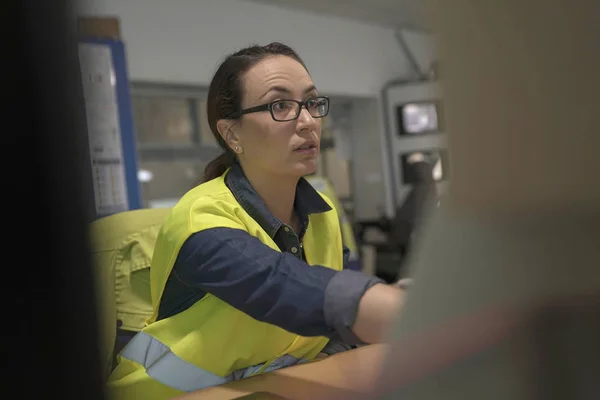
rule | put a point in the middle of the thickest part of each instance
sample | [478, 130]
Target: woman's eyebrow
[284, 90]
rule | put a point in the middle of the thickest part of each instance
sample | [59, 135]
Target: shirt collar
[308, 200]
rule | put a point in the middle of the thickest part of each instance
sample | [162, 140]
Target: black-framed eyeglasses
[289, 110]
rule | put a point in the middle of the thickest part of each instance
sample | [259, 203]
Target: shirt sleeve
[271, 286]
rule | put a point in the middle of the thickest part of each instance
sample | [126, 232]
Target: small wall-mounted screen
[424, 166]
[418, 118]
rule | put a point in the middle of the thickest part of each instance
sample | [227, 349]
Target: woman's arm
[377, 310]
[280, 289]
[351, 375]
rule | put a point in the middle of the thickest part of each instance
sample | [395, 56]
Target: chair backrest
[122, 245]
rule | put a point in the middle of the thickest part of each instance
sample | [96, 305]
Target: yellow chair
[122, 247]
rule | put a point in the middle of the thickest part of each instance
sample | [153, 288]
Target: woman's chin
[306, 167]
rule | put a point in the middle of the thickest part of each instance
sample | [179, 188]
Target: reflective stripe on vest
[165, 367]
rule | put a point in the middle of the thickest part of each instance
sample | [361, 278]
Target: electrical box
[111, 137]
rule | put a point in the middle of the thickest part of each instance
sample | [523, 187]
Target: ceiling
[389, 13]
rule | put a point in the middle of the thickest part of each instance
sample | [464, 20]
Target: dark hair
[225, 95]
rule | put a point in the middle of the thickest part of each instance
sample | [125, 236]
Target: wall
[422, 47]
[369, 177]
[183, 40]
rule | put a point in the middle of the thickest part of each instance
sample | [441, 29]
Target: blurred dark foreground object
[51, 340]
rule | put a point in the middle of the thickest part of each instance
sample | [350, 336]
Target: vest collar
[308, 200]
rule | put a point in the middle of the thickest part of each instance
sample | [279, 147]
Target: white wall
[422, 47]
[368, 160]
[182, 41]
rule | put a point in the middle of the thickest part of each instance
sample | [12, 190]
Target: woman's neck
[278, 193]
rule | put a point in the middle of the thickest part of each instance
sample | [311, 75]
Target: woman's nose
[305, 120]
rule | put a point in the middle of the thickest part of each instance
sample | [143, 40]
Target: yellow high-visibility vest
[212, 343]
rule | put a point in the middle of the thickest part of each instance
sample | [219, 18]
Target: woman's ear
[227, 132]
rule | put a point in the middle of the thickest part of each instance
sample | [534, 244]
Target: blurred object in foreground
[520, 226]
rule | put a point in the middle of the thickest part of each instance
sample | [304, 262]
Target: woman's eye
[316, 102]
[279, 106]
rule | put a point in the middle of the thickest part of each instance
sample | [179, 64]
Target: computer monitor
[418, 118]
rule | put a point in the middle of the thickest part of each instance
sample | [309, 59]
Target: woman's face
[269, 146]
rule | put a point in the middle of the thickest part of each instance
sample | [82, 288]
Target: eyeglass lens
[286, 110]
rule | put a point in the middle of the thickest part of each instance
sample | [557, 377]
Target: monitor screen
[436, 168]
[418, 118]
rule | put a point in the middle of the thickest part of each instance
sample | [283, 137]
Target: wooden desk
[347, 376]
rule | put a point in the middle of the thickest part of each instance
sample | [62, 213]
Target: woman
[247, 274]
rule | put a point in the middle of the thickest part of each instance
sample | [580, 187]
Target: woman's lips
[311, 150]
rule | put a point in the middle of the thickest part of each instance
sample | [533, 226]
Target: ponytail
[218, 166]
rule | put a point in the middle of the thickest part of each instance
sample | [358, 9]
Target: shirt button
[294, 250]
[286, 229]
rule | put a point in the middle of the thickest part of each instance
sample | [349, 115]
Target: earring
[237, 149]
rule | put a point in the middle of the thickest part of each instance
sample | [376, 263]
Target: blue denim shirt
[274, 287]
